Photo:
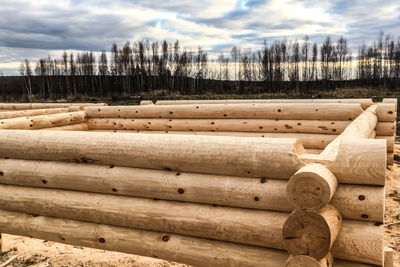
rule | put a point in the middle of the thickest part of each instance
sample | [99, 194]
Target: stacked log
[200, 198]
[28, 106]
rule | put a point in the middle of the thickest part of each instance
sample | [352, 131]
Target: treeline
[299, 65]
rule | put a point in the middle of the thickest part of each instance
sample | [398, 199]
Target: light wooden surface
[25, 106]
[285, 111]
[31, 112]
[352, 201]
[307, 261]
[43, 121]
[236, 156]
[312, 233]
[73, 127]
[311, 187]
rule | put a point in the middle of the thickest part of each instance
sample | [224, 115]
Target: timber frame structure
[214, 182]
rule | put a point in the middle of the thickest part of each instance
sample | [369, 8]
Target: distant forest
[284, 65]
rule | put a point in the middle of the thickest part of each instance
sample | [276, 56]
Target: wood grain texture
[312, 233]
[307, 261]
[25, 106]
[283, 111]
[223, 125]
[184, 249]
[353, 201]
[73, 127]
[244, 226]
[31, 112]
[236, 156]
[44, 121]
[311, 187]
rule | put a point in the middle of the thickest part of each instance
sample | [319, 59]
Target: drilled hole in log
[212, 123]
[112, 166]
[165, 238]
[197, 107]
[178, 173]
[361, 197]
[299, 124]
[260, 127]
[62, 238]
[225, 115]
[390, 112]
[114, 190]
[316, 109]
[263, 180]
[318, 188]
[1, 173]
[31, 125]
[364, 216]
[44, 182]
[256, 199]
[262, 135]
[102, 240]
[334, 130]
[279, 110]
[171, 112]
[378, 224]
[248, 172]
[98, 109]
[181, 191]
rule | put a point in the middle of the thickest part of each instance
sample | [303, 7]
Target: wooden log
[311, 187]
[309, 141]
[236, 156]
[312, 233]
[243, 226]
[44, 121]
[357, 241]
[390, 142]
[386, 112]
[342, 263]
[364, 242]
[31, 112]
[24, 106]
[352, 201]
[386, 128]
[223, 125]
[357, 161]
[365, 103]
[390, 159]
[285, 111]
[388, 257]
[195, 251]
[392, 101]
[73, 127]
[307, 261]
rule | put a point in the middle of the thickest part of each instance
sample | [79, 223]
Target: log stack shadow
[226, 193]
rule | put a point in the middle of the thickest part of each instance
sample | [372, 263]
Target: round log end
[308, 233]
[307, 261]
[312, 187]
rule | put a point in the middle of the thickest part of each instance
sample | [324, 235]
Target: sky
[34, 29]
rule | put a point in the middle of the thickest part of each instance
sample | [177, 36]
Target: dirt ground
[34, 252]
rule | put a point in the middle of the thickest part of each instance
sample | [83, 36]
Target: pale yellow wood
[73, 127]
[386, 128]
[311, 187]
[352, 201]
[391, 100]
[44, 121]
[244, 226]
[309, 141]
[390, 142]
[312, 233]
[365, 103]
[386, 112]
[31, 112]
[236, 156]
[388, 257]
[360, 242]
[284, 111]
[307, 261]
[222, 125]
[195, 251]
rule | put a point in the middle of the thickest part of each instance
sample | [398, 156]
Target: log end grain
[307, 261]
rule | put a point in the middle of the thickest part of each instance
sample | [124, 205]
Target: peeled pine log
[195, 251]
[390, 142]
[223, 125]
[357, 161]
[388, 257]
[360, 242]
[236, 156]
[44, 121]
[390, 159]
[392, 101]
[312, 233]
[309, 141]
[307, 261]
[365, 103]
[386, 112]
[33, 112]
[286, 111]
[73, 127]
[311, 187]
[244, 226]
[386, 128]
[352, 201]
[24, 106]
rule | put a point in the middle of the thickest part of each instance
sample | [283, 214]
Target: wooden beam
[352, 201]
[31, 112]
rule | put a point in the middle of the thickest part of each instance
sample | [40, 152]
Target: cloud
[33, 29]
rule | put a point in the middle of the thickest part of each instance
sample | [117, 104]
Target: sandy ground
[34, 252]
